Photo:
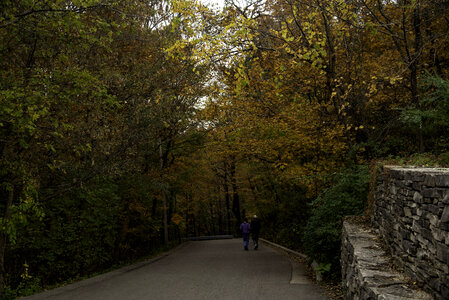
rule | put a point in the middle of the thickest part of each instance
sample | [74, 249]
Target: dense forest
[126, 126]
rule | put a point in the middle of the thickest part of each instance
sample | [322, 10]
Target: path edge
[98, 278]
[301, 255]
[314, 264]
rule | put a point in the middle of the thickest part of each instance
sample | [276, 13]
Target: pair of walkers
[253, 228]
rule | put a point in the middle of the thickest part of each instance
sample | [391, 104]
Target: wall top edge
[418, 169]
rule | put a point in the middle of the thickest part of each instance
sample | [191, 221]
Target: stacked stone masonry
[366, 268]
[411, 214]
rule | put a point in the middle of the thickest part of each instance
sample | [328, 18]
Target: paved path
[217, 269]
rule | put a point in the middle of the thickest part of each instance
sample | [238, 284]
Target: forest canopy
[116, 116]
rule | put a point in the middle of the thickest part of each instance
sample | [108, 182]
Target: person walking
[245, 228]
[255, 230]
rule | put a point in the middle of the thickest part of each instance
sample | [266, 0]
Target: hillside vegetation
[128, 125]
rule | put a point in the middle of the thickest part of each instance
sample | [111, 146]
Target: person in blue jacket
[245, 227]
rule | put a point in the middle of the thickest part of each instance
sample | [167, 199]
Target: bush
[79, 226]
[103, 223]
[27, 287]
[322, 236]
[283, 220]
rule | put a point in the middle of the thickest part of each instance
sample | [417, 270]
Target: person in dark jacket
[245, 227]
[255, 229]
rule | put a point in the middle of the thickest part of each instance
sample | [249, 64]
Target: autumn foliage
[116, 116]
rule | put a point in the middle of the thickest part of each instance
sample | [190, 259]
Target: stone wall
[366, 268]
[411, 213]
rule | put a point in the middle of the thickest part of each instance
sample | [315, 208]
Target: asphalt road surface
[216, 269]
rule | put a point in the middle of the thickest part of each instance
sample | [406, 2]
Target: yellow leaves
[284, 33]
[183, 6]
[393, 80]
[289, 50]
[25, 275]
[281, 166]
[350, 127]
[283, 105]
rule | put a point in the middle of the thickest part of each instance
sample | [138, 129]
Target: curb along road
[285, 249]
[299, 274]
[76, 285]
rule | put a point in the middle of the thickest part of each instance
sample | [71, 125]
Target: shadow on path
[216, 269]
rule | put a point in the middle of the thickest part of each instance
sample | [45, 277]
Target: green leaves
[347, 196]
[436, 102]
[431, 115]
[87, 90]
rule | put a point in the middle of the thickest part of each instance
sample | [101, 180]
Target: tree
[87, 90]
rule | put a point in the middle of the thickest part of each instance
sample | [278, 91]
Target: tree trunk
[227, 201]
[220, 213]
[164, 194]
[164, 207]
[330, 68]
[414, 65]
[235, 196]
[4, 240]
